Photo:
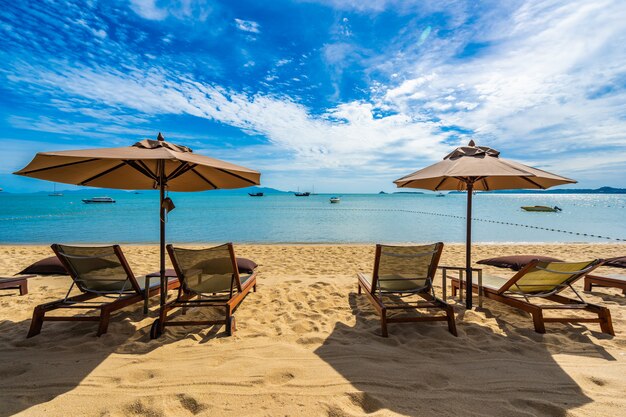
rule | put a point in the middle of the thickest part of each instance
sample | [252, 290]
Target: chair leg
[606, 325]
[230, 321]
[451, 321]
[540, 326]
[588, 285]
[383, 322]
[254, 288]
[359, 290]
[36, 323]
[24, 288]
[103, 324]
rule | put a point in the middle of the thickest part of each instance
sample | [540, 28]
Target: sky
[340, 95]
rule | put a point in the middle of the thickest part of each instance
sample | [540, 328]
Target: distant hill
[601, 190]
[107, 191]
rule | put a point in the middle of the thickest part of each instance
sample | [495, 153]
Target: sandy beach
[308, 345]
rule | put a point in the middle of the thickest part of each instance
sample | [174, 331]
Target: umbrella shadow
[38, 369]
[421, 369]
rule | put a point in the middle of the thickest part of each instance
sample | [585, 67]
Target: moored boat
[298, 194]
[335, 200]
[98, 200]
[54, 192]
[255, 194]
[542, 208]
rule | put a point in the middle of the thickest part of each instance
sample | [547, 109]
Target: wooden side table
[460, 273]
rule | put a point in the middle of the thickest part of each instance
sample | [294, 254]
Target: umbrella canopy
[138, 167]
[483, 167]
[470, 168]
[148, 164]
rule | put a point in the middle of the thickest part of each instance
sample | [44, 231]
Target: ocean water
[282, 218]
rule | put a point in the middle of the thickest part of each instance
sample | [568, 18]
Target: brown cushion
[47, 266]
[245, 266]
[616, 262]
[516, 262]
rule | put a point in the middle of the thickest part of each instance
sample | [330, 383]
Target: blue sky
[341, 94]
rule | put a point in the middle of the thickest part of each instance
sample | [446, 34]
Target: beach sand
[307, 344]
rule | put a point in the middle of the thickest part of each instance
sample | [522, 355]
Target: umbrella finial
[471, 142]
[160, 137]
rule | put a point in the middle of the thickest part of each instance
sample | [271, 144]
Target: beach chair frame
[376, 296]
[522, 301]
[16, 283]
[606, 282]
[228, 301]
[84, 301]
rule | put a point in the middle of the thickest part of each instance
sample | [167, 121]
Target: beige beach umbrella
[470, 168]
[146, 165]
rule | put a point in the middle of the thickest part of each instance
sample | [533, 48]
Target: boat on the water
[542, 208]
[54, 192]
[441, 195]
[255, 194]
[299, 194]
[98, 200]
[335, 200]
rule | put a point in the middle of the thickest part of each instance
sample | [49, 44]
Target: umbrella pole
[162, 234]
[468, 247]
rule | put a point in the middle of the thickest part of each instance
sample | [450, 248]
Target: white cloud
[528, 93]
[247, 26]
[148, 9]
[197, 10]
[530, 90]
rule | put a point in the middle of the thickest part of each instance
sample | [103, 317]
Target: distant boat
[136, 192]
[54, 192]
[542, 208]
[441, 195]
[299, 194]
[255, 194]
[335, 200]
[98, 200]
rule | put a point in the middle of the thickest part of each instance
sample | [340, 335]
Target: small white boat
[335, 200]
[98, 200]
[542, 208]
[54, 193]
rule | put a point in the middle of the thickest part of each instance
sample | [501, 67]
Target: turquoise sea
[358, 218]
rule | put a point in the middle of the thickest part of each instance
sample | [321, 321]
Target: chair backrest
[546, 278]
[97, 269]
[205, 271]
[405, 268]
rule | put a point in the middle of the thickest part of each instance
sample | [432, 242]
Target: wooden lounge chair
[15, 283]
[402, 271]
[211, 277]
[98, 272]
[611, 281]
[544, 280]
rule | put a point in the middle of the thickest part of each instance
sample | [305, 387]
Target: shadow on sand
[36, 370]
[422, 370]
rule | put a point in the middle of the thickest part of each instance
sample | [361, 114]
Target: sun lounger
[611, 281]
[15, 283]
[544, 281]
[403, 271]
[98, 272]
[208, 278]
